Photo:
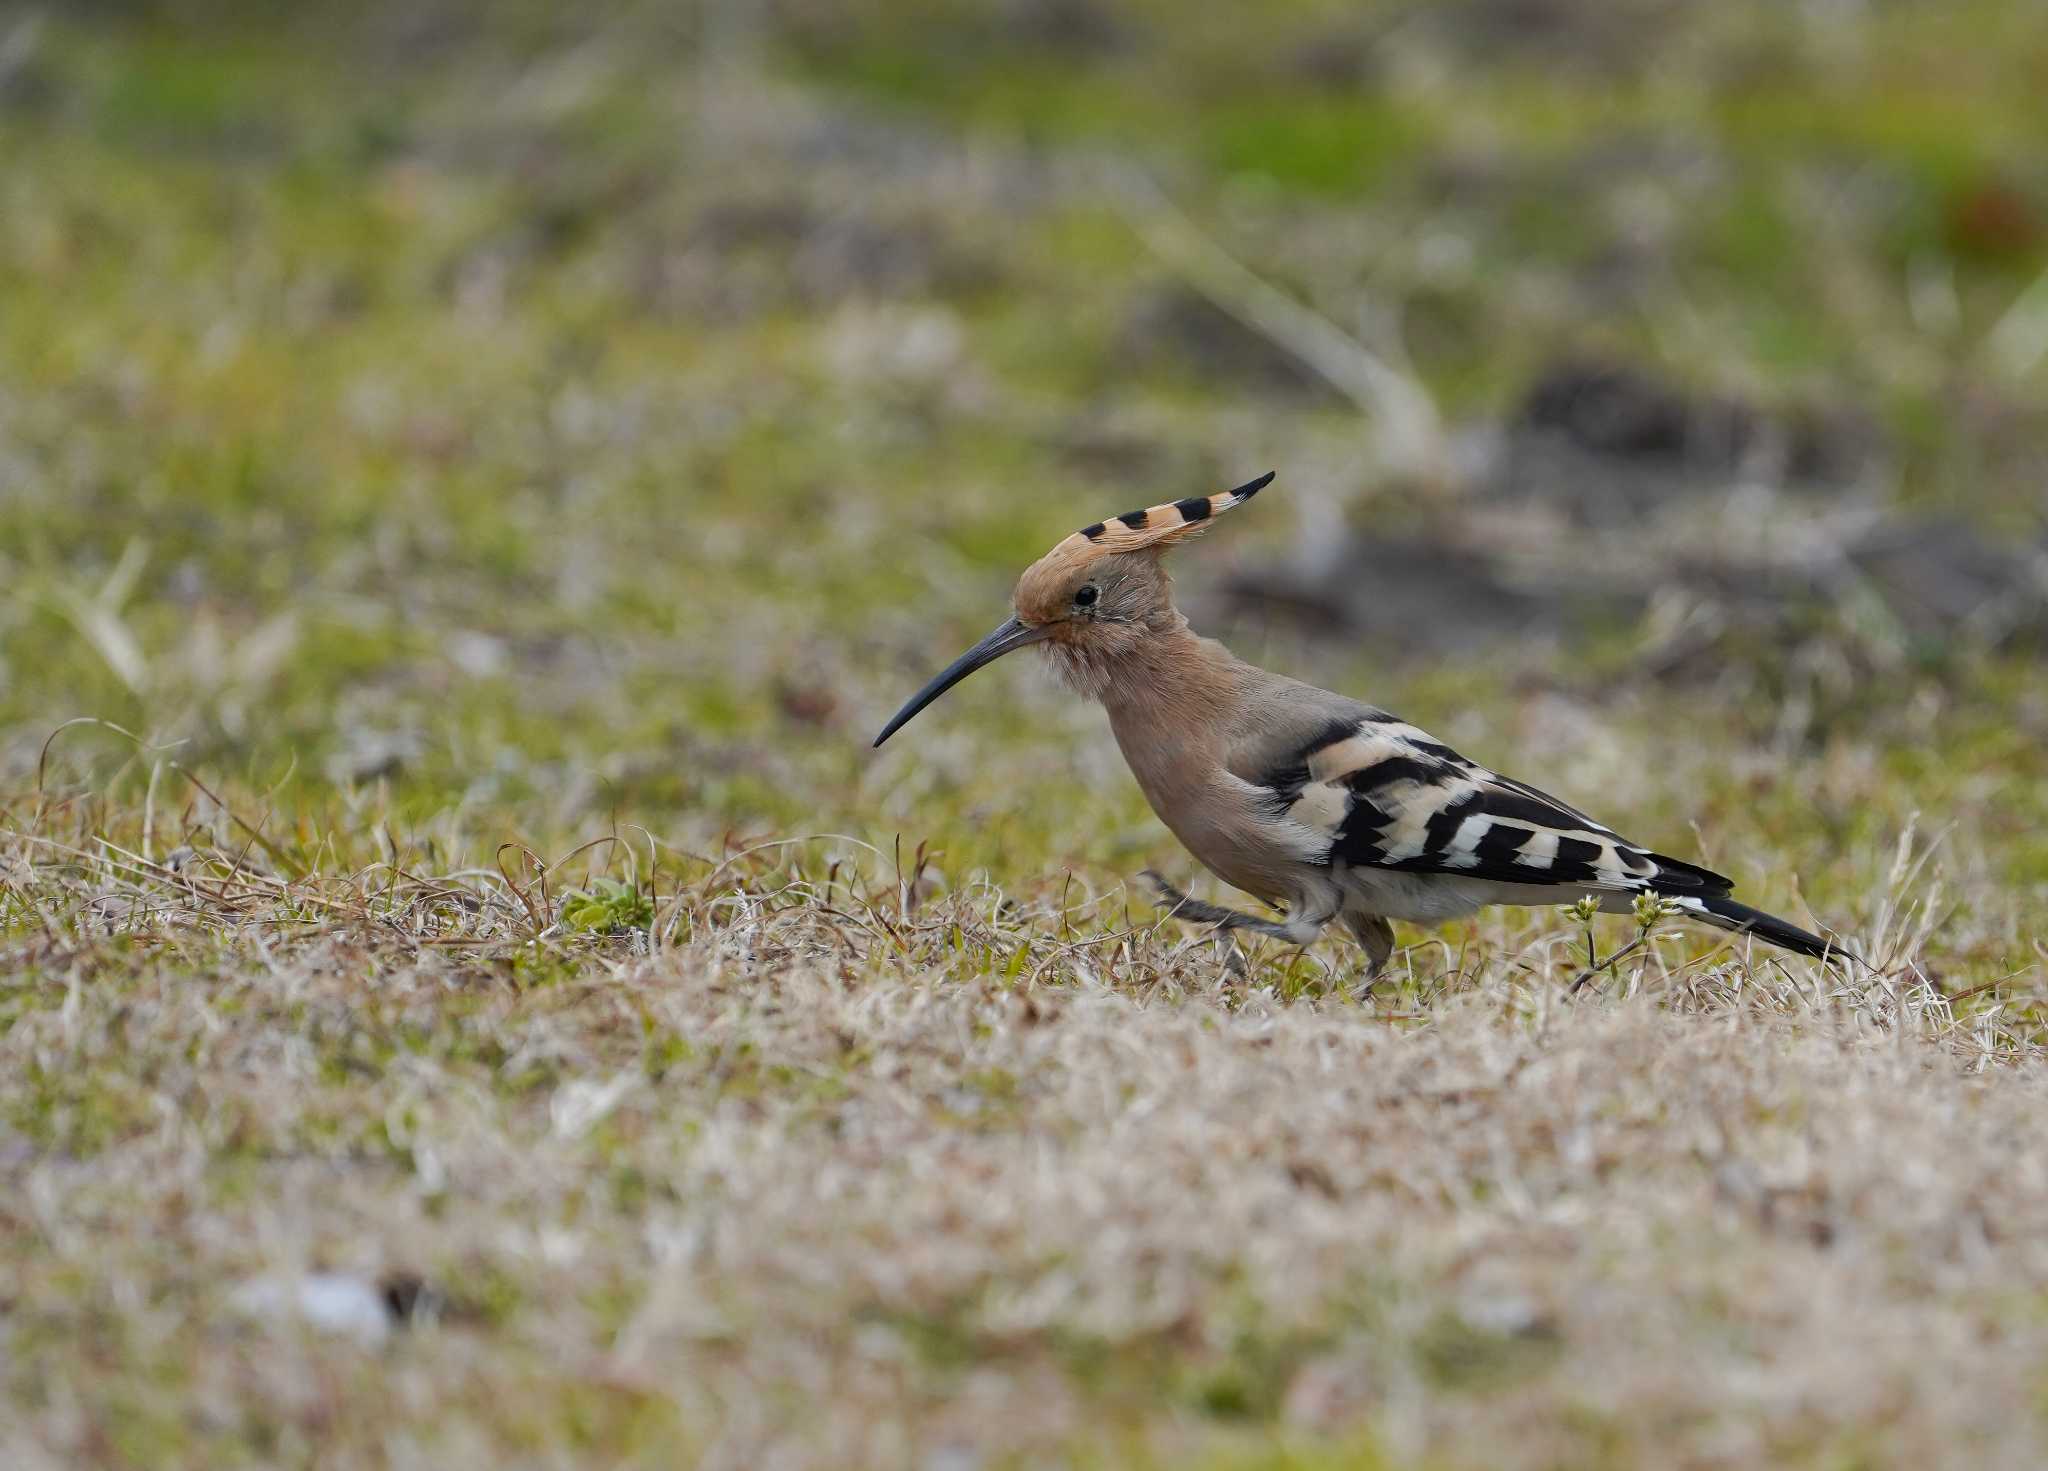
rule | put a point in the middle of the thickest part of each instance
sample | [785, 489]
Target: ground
[473, 481]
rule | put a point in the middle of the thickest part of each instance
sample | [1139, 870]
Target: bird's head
[1093, 598]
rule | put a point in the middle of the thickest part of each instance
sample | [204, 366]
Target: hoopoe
[1323, 807]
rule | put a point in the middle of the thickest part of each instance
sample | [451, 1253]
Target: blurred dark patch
[409, 1298]
[1991, 219]
[1604, 456]
[1942, 578]
[806, 701]
[1579, 34]
[365, 755]
[1346, 57]
[728, 225]
[964, 34]
[1070, 27]
[1422, 595]
[27, 85]
[1918, 589]
[1176, 331]
[1611, 409]
[1601, 442]
[1913, 590]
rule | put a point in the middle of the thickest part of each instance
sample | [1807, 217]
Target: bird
[1327, 809]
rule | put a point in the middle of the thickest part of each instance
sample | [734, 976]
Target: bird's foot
[1180, 906]
[1299, 929]
[1194, 911]
[1376, 937]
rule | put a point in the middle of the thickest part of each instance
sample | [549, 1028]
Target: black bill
[1013, 634]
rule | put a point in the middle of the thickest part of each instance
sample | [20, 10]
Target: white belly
[1429, 898]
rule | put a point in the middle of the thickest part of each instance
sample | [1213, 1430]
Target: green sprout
[608, 907]
[1650, 910]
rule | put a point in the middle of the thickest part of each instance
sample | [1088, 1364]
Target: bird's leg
[1180, 906]
[1195, 911]
[1376, 937]
[1302, 929]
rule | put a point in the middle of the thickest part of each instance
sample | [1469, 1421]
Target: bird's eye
[1086, 597]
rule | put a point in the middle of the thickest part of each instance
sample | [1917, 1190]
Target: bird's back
[1268, 775]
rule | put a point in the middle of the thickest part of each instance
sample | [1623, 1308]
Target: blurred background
[526, 418]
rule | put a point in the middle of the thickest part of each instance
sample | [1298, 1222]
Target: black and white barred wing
[1389, 796]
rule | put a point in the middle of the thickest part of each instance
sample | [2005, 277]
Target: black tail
[1730, 914]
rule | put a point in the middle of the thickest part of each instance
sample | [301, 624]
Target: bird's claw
[1173, 898]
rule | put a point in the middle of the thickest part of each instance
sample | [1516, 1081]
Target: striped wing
[1390, 796]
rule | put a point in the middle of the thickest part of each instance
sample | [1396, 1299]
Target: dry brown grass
[847, 1171]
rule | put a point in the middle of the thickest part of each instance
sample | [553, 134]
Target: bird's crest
[1155, 526]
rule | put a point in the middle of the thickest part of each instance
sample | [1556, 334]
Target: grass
[471, 483]
[837, 1160]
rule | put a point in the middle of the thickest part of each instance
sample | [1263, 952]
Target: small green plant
[1650, 910]
[608, 907]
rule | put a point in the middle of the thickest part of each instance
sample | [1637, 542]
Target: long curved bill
[1013, 634]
